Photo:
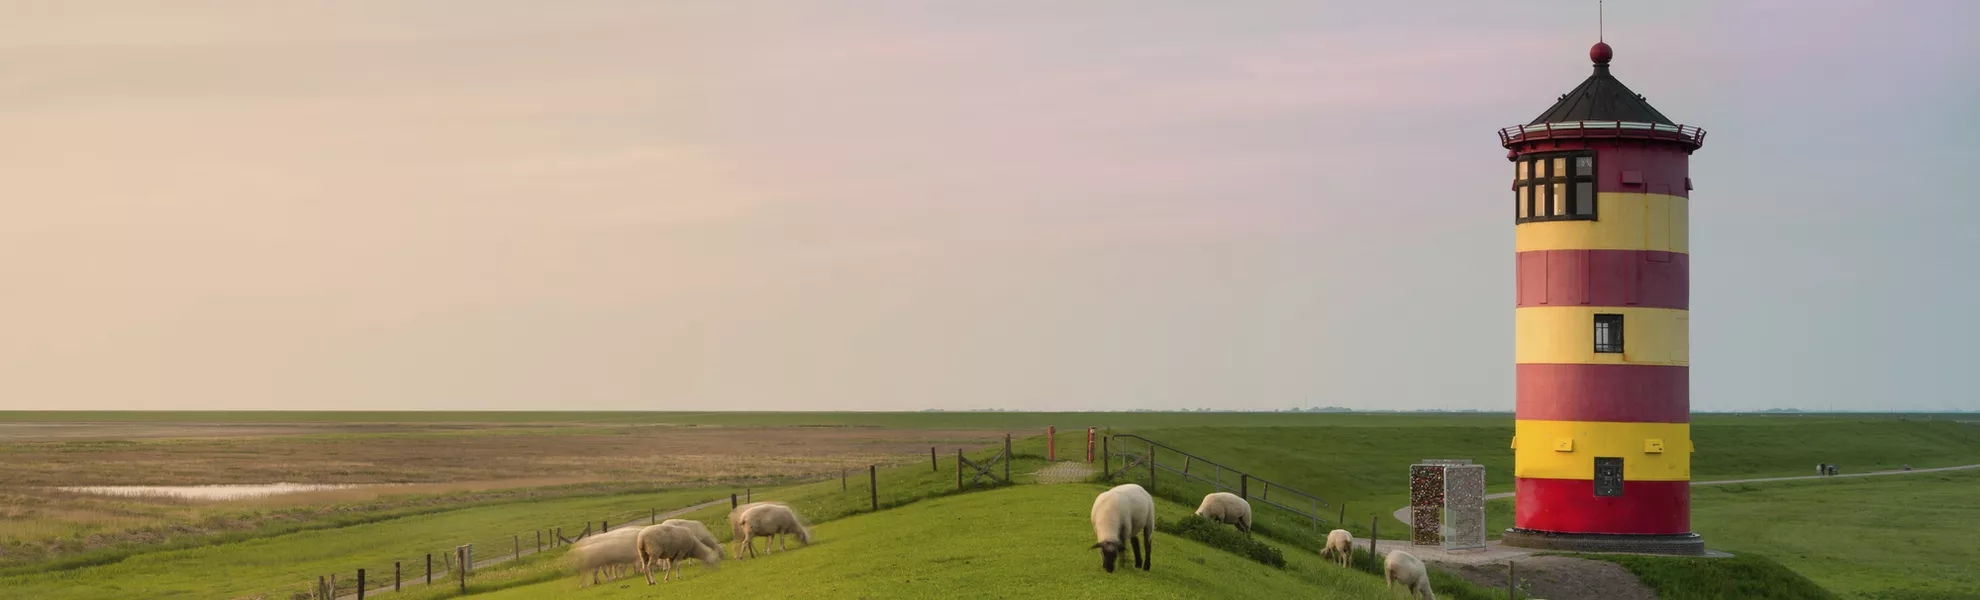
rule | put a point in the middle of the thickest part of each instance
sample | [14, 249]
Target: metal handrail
[1686, 134]
[1217, 478]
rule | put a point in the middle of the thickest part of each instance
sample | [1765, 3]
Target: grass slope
[277, 565]
[1014, 542]
[1898, 537]
[1747, 577]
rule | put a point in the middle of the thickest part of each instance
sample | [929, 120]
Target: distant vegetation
[1747, 577]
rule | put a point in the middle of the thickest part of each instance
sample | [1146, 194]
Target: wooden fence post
[652, 516]
[360, 584]
[732, 501]
[873, 479]
[1051, 447]
[460, 553]
[1244, 486]
[1343, 519]
[933, 465]
[539, 541]
[1372, 560]
[1151, 467]
[333, 585]
[959, 460]
[398, 576]
[1106, 460]
[749, 495]
[1512, 581]
[1007, 458]
[429, 568]
[320, 586]
[842, 480]
[604, 526]
[518, 542]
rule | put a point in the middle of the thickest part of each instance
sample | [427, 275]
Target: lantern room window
[1554, 186]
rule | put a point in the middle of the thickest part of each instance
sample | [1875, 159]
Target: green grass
[1895, 537]
[279, 564]
[1747, 577]
[1226, 538]
[1014, 542]
[1367, 468]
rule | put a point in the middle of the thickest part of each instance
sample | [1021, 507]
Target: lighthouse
[1602, 446]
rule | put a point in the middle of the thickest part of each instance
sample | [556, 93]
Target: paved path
[481, 564]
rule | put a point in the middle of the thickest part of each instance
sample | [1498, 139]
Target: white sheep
[1228, 508]
[667, 545]
[701, 532]
[1122, 513]
[735, 525]
[606, 553]
[769, 520]
[1404, 568]
[1340, 546]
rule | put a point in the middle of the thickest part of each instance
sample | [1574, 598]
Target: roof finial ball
[1601, 53]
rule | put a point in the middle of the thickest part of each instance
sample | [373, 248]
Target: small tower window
[1608, 334]
[1556, 186]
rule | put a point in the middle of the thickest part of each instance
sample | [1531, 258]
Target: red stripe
[1659, 168]
[1571, 506]
[1643, 278]
[1612, 393]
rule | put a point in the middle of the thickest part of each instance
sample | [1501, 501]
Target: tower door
[1608, 476]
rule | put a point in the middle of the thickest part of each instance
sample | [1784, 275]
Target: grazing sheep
[1340, 546]
[665, 546]
[1228, 508]
[1123, 512]
[606, 553]
[769, 520]
[1404, 568]
[701, 533]
[735, 525]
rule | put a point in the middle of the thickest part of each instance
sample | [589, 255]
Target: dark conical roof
[1602, 98]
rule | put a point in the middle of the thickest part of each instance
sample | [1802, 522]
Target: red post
[1089, 445]
[1051, 449]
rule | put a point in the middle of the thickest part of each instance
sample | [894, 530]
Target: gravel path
[1066, 472]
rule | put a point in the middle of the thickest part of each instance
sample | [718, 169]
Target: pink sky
[890, 205]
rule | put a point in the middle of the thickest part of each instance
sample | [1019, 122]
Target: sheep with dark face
[1226, 508]
[1119, 515]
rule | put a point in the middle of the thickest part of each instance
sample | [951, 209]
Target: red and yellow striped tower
[1602, 448]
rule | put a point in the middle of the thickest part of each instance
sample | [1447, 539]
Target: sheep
[768, 520]
[607, 553]
[701, 533]
[665, 546]
[1404, 568]
[1226, 507]
[735, 525]
[1340, 546]
[1123, 512]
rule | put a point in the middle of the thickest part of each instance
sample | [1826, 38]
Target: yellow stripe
[1624, 222]
[1566, 335]
[1568, 449]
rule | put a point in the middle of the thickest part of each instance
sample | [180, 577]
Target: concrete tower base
[1688, 544]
